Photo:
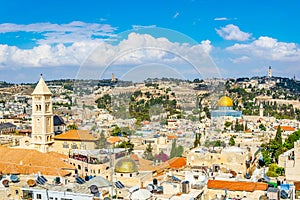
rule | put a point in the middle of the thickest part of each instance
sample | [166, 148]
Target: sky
[138, 39]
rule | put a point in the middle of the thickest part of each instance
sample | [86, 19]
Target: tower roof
[41, 88]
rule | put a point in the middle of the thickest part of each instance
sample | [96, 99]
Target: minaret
[261, 111]
[42, 117]
[270, 72]
[113, 77]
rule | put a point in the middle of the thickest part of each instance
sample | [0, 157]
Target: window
[47, 107]
[65, 145]
[83, 145]
[27, 194]
[38, 196]
[17, 192]
[74, 146]
[130, 175]
[86, 169]
[98, 171]
[79, 167]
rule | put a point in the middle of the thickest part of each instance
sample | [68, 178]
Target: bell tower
[42, 117]
[261, 110]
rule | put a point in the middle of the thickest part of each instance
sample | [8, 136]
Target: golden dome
[225, 101]
[126, 165]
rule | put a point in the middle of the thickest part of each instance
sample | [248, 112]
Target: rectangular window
[74, 146]
[65, 145]
[38, 196]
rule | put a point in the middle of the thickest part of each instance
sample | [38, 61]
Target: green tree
[231, 141]
[148, 155]
[176, 151]
[262, 127]
[101, 143]
[197, 140]
[218, 143]
[127, 145]
[289, 141]
[227, 124]
[266, 154]
[278, 136]
[72, 127]
[275, 145]
[173, 150]
[116, 131]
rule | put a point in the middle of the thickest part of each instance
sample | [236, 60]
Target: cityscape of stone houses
[94, 141]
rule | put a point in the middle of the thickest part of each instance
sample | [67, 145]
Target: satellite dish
[31, 182]
[94, 189]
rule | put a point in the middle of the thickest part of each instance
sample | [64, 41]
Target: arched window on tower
[47, 107]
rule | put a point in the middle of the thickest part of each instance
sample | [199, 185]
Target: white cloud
[221, 19]
[62, 33]
[240, 59]
[232, 32]
[136, 49]
[268, 48]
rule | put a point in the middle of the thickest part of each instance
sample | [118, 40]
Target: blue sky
[67, 39]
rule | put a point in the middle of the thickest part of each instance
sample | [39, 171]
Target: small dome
[126, 165]
[225, 101]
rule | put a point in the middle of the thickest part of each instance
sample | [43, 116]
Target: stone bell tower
[42, 117]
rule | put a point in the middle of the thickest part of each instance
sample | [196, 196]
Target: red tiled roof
[113, 139]
[237, 185]
[28, 161]
[297, 185]
[76, 135]
[177, 162]
[134, 157]
[285, 128]
[172, 136]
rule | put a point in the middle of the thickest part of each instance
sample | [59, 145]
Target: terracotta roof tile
[134, 157]
[76, 135]
[172, 136]
[177, 162]
[236, 185]
[113, 139]
[27, 161]
[297, 185]
[285, 128]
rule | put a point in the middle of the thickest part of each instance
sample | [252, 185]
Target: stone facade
[290, 160]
